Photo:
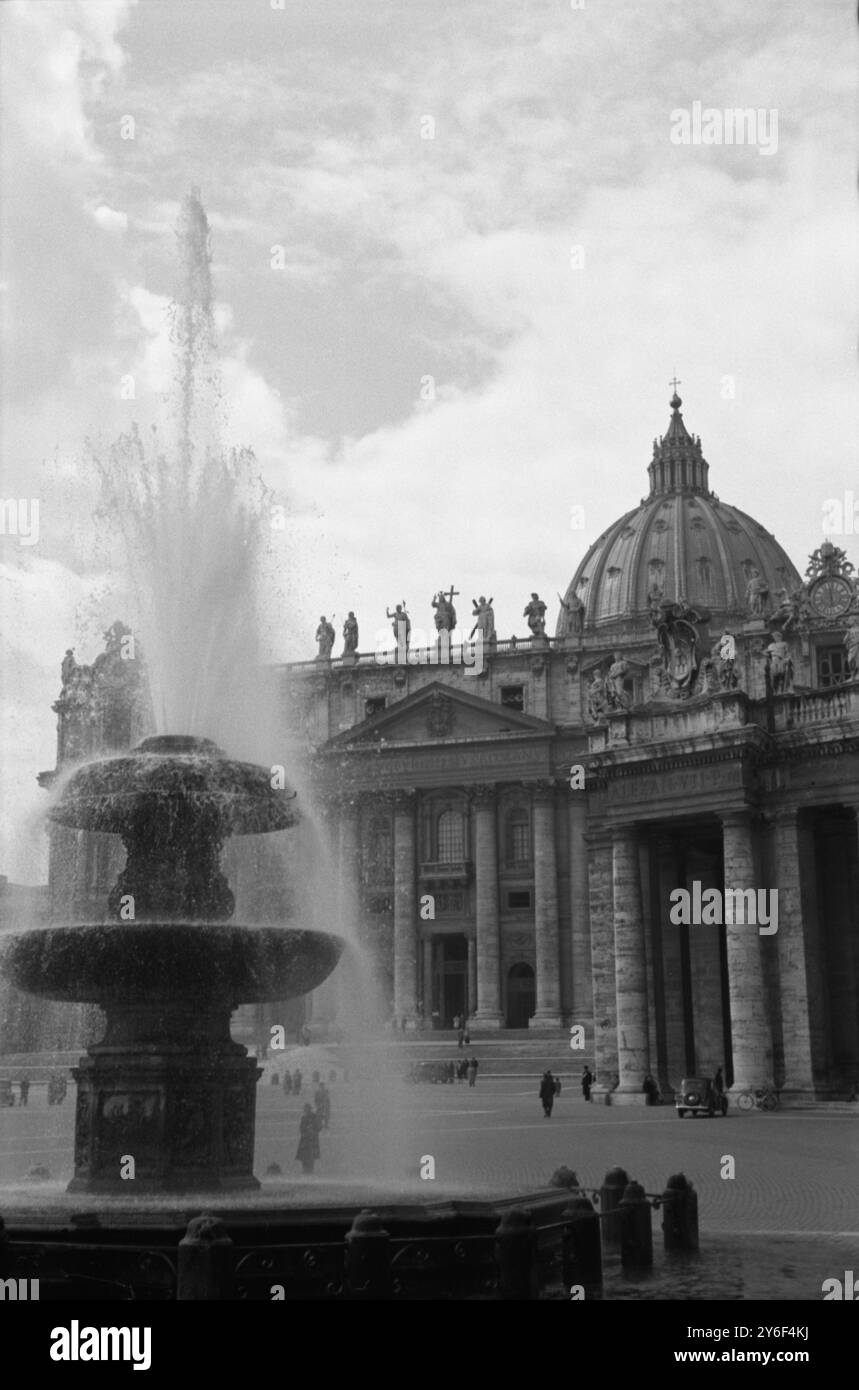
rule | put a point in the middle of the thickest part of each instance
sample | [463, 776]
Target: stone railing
[802, 710]
[460, 654]
[456, 871]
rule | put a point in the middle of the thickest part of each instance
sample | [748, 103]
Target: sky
[458, 257]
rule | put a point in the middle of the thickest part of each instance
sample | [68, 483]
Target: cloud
[110, 219]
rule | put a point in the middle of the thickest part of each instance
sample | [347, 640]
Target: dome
[682, 541]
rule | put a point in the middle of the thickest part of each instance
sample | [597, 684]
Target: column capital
[543, 791]
[483, 795]
[782, 815]
[628, 830]
[404, 799]
[743, 816]
[599, 838]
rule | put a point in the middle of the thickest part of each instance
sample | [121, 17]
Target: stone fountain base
[172, 1115]
[185, 1122]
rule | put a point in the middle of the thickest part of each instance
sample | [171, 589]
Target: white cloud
[109, 218]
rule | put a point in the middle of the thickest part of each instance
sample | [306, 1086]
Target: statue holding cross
[445, 613]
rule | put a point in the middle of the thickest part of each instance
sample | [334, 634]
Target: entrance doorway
[450, 978]
[521, 995]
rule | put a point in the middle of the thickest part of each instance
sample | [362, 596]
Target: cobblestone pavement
[795, 1172]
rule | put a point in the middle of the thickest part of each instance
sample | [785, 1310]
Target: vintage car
[434, 1072]
[697, 1097]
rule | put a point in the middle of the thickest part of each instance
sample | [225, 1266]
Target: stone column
[603, 1059]
[799, 1034]
[427, 980]
[472, 1002]
[751, 1045]
[485, 993]
[672, 964]
[630, 963]
[405, 909]
[548, 1011]
[580, 952]
[839, 898]
[705, 971]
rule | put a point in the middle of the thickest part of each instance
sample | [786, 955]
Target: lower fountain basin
[139, 962]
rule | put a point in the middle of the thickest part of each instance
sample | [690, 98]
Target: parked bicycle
[762, 1098]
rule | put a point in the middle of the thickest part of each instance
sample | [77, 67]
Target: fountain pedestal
[165, 1103]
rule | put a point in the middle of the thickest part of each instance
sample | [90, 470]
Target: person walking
[719, 1082]
[308, 1143]
[287, 1083]
[462, 1070]
[547, 1093]
[461, 1038]
[296, 1082]
[25, 1089]
[587, 1082]
[473, 1064]
[322, 1102]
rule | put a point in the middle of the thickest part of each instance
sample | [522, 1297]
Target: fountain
[166, 1086]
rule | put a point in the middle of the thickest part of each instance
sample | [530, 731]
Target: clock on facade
[831, 597]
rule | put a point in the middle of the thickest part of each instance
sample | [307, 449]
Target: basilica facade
[516, 817]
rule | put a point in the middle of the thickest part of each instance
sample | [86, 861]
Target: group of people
[466, 1070]
[6, 1094]
[291, 1082]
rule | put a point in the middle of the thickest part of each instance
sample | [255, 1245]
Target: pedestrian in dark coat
[587, 1082]
[25, 1089]
[462, 1070]
[308, 1141]
[473, 1064]
[547, 1093]
[287, 1083]
[296, 1082]
[322, 1101]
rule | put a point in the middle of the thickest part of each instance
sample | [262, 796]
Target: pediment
[439, 714]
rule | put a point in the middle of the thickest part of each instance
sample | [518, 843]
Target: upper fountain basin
[174, 769]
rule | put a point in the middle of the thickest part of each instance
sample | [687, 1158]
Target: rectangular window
[519, 898]
[513, 697]
[374, 705]
[831, 666]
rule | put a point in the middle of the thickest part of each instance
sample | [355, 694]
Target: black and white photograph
[429, 807]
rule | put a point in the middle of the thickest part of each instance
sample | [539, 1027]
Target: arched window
[518, 837]
[451, 837]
